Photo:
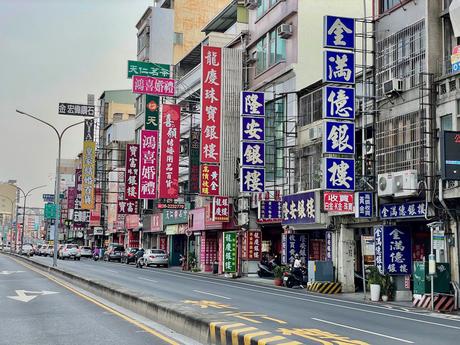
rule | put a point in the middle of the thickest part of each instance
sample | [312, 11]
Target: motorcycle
[266, 268]
[295, 277]
[96, 254]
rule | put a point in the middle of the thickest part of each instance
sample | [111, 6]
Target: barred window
[310, 107]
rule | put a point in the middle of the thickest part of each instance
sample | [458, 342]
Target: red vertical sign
[169, 157]
[132, 171]
[148, 164]
[254, 243]
[220, 209]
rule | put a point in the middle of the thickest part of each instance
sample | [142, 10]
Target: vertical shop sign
[364, 205]
[339, 137]
[339, 32]
[169, 158]
[270, 211]
[328, 245]
[397, 249]
[88, 134]
[88, 173]
[220, 209]
[78, 184]
[211, 82]
[132, 171]
[378, 247]
[229, 252]
[148, 164]
[293, 244]
[194, 161]
[71, 196]
[163, 243]
[152, 112]
[339, 173]
[209, 179]
[95, 214]
[254, 243]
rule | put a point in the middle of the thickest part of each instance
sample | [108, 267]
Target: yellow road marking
[212, 329]
[295, 342]
[266, 340]
[236, 332]
[103, 306]
[275, 320]
[223, 331]
[249, 336]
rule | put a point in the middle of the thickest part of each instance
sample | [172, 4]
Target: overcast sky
[55, 51]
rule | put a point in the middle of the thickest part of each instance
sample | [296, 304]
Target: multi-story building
[8, 195]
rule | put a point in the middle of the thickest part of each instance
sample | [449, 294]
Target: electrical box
[422, 282]
[320, 271]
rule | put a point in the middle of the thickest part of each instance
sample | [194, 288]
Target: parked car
[86, 252]
[129, 255]
[50, 250]
[37, 248]
[43, 251]
[156, 257]
[114, 252]
[27, 249]
[69, 251]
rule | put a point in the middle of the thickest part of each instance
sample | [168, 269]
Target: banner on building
[132, 171]
[169, 159]
[129, 206]
[171, 217]
[154, 86]
[88, 175]
[220, 209]
[254, 245]
[148, 69]
[364, 204]
[411, 209]
[81, 218]
[229, 252]
[78, 185]
[152, 112]
[71, 196]
[270, 211]
[393, 249]
[76, 109]
[211, 83]
[339, 202]
[329, 246]
[209, 179]
[292, 244]
[194, 161]
[299, 208]
[148, 164]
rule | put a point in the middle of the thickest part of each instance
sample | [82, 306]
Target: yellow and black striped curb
[324, 287]
[237, 333]
[442, 302]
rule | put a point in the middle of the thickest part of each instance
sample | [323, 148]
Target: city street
[293, 314]
[36, 310]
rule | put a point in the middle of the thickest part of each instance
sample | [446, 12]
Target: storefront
[269, 219]
[152, 229]
[177, 242]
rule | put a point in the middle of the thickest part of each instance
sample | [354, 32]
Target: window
[178, 38]
[310, 107]
[117, 117]
[131, 116]
[264, 5]
[386, 5]
[275, 137]
[446, 122]
[271, 49]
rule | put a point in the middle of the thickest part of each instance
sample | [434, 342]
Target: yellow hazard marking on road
[251, 317]
[103, 306]
[212, 331]
[319, 336]
[295, 342]
[223, 331]
[236, 333]
[265, 341]
[204, 304]
[248, 337]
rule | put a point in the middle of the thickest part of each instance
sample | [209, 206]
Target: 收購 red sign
[220, 209]
[254, 242]
[169, 158]
[209, 179]
[148, 164]
[132, 171]
[342, 202]
[211, 80]
[153, 86]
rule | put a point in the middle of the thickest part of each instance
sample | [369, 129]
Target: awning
[454, 13]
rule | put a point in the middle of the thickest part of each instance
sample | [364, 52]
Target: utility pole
[57, 190]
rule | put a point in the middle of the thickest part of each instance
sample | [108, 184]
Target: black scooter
[296, 277]
[266, 268]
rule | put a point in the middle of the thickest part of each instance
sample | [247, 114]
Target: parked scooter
[266, 268]
[295, 277]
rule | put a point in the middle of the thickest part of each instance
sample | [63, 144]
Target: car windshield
[86, 248]
[157, 251]
[71, 246]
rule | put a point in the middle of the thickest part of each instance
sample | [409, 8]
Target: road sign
[27, 296]
[50, 211]
[76, 109]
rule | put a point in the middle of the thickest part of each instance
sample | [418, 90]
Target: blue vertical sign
[328, 245]
[339, 67]
[339, 137]
[293, 244]
[364, 204]
[252, 134]
[339, 102]
[339, 32]
[397, 249]
[339, 174]
[378, 247]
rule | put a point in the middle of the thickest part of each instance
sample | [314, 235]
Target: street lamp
[25, 195]
[57, 186]
[11, 221]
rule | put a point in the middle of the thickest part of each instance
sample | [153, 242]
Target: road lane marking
[248, 337]
[363, 330]
[9, 272]
[236, 333]
[103, 306]
[147, 279]
[211, 294]
[113, 271]
[27, 296]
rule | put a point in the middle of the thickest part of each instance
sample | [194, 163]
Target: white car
[85, 252]
[43, 251]
[69, 251]
[157, 257]
[27, 249]
[50, 251]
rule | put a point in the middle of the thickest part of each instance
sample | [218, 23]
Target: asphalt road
[37, 310]
[294, 314]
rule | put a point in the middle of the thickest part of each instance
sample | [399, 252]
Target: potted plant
[387, 287]
[278, 273]
[374, 279]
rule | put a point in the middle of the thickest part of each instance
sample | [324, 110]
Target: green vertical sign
[229, 252]
[50, 211]
[148, 69]
[152, 112]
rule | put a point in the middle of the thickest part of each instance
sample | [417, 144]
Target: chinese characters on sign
[252, 103]
[229, 252]
[364, 205]
[270, 211]
[341, 202]
[220, 209]
[154, 86]
[328, 245]
[76, 109]
[339, 137]
[211, 81]
[339, 32]
[88, 173]
[148, 69]
[194, 161]
[397, 249]
[148, 164]
[412, 209]
[78, 184]
[299, 208]
[209, 179]
[339, 102]
[128, 207]
[252, 180]
[339, 173]
[293, 244]
[179, 216]
[254, 245]
[339, 67]
[152, 112]
[132, 171]
[378, 247]
[169, 157]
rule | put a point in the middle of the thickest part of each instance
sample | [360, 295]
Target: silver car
[69, 251]
[157, 257]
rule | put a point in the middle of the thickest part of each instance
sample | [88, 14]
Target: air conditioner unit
[369, 146]
[314, 133]
[252, 57]
[405, 183]
[385, 185]
[284, 30]
[392, 86]
[251, 4]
